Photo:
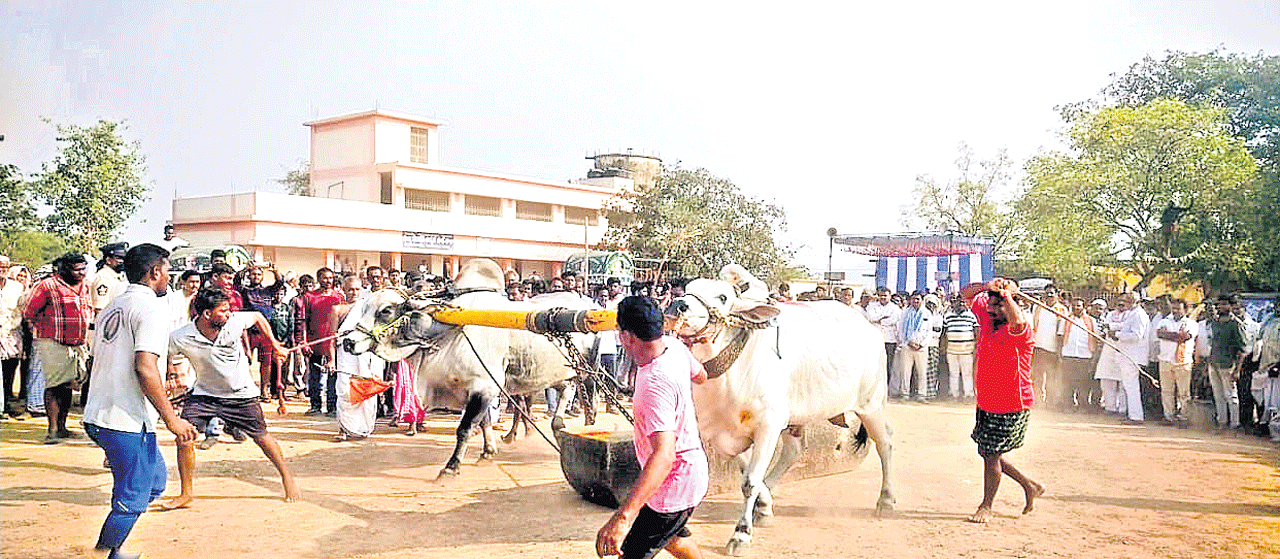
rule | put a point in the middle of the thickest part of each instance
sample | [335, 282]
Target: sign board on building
[430, 241]
[834, 276]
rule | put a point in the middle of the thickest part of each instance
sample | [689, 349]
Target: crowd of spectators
[1163, 354]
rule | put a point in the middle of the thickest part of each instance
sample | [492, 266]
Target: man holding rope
[224, 386]
[1003, 389]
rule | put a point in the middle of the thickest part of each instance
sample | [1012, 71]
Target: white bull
[773, 369]
[450, 373]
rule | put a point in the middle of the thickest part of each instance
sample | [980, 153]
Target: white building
[380, 195]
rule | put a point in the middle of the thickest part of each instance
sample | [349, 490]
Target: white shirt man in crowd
[1045, 361]
[884, 314]
[10, 341]
[1267, 379]
[131, 333]
[1127, 326]
[1077, 350]
[913, 336]
[1176, 335]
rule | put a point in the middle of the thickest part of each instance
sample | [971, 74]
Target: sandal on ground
[52, 439]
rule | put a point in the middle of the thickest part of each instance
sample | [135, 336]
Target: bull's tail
[860, 439]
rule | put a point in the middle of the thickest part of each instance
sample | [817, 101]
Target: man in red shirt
[314, 322]
[1002, 386]
[59, 313]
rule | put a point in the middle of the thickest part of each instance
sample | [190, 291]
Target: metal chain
[580, 364]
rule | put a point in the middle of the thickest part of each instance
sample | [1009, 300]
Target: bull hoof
[557, 423]
[884, 507]
[449, 472]
[488, 454]
[509, 438]
[738, 545]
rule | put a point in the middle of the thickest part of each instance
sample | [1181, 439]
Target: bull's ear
[753, 312]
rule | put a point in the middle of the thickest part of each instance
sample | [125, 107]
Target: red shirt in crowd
[60, 312]
[1002, 375]
[315, 310]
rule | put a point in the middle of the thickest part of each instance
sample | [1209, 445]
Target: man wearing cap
[109, 280]
[673, 477]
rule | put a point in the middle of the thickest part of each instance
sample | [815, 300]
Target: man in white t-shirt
[674, 476]
[224, 387]
[1046, 365]
[1078, 350]
[885, 315]
[1176, 335]
[132, 332]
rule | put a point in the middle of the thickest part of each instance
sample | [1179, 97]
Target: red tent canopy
[913, 244]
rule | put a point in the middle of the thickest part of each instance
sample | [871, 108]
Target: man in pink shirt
[674, 478]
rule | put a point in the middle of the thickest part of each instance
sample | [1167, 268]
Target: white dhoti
[356, 420]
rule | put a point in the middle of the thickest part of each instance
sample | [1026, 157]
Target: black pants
[11, 367]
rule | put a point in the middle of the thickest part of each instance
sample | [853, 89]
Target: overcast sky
[829, 109]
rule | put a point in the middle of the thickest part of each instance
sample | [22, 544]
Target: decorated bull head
[394, 325]
[709, 309]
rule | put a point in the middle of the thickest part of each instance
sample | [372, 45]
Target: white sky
[828, 109]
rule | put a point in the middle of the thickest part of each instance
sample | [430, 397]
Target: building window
[581, 216]
[429, 200]
[418, 145]
[484, 205]
[533, 210]
[386, 194]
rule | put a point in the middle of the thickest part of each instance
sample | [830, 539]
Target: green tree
[1247, 88]
[1110, 197]
[18, 219]
[93, 185]
[699, 222]
[297, 181]
[974, 203]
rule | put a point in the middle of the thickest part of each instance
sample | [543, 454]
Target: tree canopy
[297, 181]
[93, 184]
[974, 203]
[1156, 184]
[1247, 88]
[699, 222]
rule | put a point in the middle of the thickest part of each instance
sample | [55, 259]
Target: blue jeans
[139, 477]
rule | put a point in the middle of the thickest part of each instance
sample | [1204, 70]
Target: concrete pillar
[397, 261]
[557, 268]
[330, 259]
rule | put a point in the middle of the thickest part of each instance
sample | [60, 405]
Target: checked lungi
[998, 433]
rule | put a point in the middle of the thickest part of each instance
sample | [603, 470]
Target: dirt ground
[1112, 491]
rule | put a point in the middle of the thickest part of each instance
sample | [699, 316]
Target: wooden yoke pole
[541, 322]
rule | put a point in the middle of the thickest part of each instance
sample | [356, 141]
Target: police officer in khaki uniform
[109, 280]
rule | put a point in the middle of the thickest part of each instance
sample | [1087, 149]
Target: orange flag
[364, 388]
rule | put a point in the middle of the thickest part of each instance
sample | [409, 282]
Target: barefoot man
[1002, 386]
[224, 387]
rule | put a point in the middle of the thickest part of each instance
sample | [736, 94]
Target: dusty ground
[1113, 491]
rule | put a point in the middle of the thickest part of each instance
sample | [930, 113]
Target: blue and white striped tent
[919, 262]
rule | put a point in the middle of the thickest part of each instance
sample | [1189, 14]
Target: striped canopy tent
[922, 261]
